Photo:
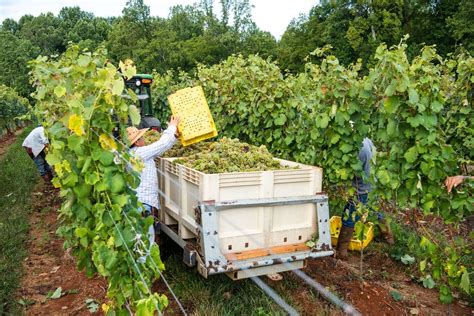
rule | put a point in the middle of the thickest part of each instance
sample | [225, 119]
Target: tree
[354, 28]
[461, 26]
[43, 31]
[82, 27]
[10, 25]
[14, 56]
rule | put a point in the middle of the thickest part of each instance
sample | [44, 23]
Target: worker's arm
[452, 182]
[165, 142]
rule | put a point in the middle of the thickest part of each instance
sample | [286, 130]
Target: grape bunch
[230, 155]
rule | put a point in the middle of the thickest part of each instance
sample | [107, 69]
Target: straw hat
[135, 134]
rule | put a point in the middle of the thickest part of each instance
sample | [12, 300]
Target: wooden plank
[289, 248]
[265, 252]
[247, 254]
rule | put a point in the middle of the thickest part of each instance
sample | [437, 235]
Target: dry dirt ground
[48, 266]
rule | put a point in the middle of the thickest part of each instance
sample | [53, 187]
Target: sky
[270, 15]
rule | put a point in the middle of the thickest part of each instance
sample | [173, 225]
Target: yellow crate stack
[355, 244]
[196, 123]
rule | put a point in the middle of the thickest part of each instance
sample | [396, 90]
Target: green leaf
[413, 96]
[106, 158]
[428, 282]
[422, 265]
[82, 190]
[465, 283]
[25, 302]
[59, 91]
[111, 260]
[345, 148]
[92, 178]
[407, 259]
[117, 87]
[120, 200]
[134, 114]
[92, 306]
[80, 232]
[411, 155]
[56, 294]
[335, 138]
[83, 60]
[359, 230]
[383, 176]
[391, 104]
[445, 295]
[391, 128]
[117, 183]
[280, 120]
[323, 121]
[391, 88]
[53, 158]
[86, 165]
[289, 139]
[428, 205]
[396, 296]
[436, 106]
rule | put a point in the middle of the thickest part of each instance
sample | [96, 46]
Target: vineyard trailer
[248, 223]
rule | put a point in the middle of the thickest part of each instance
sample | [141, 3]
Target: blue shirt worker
[147, 191]
[35, 144]
[363, 188]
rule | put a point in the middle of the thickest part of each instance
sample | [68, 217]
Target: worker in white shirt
[147, 191]
[35, 144]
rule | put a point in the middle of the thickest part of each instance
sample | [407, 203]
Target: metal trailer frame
[213, 261]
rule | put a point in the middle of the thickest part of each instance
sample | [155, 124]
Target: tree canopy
[209, 31]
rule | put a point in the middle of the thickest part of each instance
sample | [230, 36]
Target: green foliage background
[209, 32]
[12, 107]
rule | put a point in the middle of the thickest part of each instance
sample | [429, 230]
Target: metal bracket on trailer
[189, 254]
[214, 261]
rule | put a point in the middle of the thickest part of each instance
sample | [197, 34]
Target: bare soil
[9, 139]
[48, 266]
[371, 291]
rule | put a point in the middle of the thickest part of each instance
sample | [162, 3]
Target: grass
[218, 295]
[18, 177]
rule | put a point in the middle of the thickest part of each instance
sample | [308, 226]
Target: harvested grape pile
[225, 155]
[230, 155]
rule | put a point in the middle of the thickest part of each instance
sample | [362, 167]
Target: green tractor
[141, 85]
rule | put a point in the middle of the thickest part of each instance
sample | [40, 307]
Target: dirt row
[49, 267]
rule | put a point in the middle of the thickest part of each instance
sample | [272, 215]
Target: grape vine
[78, 99]
[418, 113]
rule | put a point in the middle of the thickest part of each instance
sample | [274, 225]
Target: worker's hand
[174, 121]
[452, 182]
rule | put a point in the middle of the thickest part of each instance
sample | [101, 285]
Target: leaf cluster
[79, 100]
[12, 107]
[418, 112]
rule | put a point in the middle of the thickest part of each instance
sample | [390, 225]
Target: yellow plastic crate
[196, 120]
[355, 244]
